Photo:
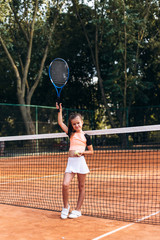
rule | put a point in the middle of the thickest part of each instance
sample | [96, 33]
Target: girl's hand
[59, 106]
[78, 154]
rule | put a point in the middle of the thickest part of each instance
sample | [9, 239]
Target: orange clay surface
[18, 223]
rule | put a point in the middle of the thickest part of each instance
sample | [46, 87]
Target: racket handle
[58, 101]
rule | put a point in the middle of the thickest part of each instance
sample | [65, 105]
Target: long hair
[71, 117]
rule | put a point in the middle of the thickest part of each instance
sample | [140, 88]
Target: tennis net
[123, 183]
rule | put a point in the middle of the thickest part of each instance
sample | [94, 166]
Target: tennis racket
[59, 75]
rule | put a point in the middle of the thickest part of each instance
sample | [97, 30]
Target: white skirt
[77, 165]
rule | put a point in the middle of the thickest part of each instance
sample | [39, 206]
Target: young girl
[76, 161]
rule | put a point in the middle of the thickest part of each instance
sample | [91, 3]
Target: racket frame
[58, 89]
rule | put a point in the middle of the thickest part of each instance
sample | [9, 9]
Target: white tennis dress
[77, 165]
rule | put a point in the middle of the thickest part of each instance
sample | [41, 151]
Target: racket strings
[59, 73]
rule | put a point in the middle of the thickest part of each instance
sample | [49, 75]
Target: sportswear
[78, 142]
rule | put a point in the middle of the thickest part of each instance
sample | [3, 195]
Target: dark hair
[71, 117]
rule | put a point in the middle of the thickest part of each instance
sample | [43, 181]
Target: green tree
[147, 98]
[71, 45]
[117, 41]
[120, 36]
[24, 25]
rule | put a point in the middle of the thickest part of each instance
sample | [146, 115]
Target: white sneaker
[75, 214]
[64, 213]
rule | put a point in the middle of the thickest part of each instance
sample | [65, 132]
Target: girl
[76, 161]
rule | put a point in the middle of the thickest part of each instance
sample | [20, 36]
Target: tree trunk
[25, 96]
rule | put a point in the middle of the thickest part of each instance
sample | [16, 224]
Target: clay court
[121, 195]
[19, 223]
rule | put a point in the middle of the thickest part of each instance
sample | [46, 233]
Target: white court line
[30, 179]
[126, 226]
[116, 230]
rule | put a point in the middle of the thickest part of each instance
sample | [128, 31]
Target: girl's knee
[81, 186]
[65, 185]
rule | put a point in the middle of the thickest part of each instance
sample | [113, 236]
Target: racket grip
[58, 101]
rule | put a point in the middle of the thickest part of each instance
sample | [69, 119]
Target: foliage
[27, 19]
[117, 41]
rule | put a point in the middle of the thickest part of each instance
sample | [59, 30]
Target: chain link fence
[43, 117]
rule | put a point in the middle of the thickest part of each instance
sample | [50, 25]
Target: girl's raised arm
[60, 119]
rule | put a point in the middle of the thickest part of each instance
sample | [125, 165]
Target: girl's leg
[81, 182]
[65, 187]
